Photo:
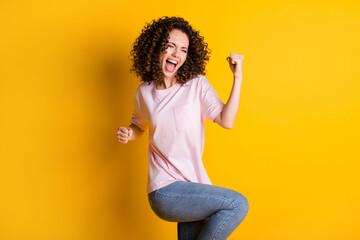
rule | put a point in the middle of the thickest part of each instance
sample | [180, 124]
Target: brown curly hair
[147, 48]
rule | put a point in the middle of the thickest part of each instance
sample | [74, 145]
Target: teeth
[172, 61]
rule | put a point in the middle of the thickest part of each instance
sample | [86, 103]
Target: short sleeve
[138, 117]
[211, 104]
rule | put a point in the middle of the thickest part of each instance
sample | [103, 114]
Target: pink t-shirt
[175, 117]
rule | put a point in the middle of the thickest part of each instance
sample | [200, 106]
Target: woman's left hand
[235, 62]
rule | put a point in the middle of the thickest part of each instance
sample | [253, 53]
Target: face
[175, 54]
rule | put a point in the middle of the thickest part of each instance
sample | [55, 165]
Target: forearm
[137, 132]
[230, 110]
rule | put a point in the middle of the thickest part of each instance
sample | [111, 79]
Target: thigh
[183, 201]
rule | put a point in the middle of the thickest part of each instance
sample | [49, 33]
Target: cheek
[184, 56]
[163, 57]
[164, 54]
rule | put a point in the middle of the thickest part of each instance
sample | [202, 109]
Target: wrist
[238, 78]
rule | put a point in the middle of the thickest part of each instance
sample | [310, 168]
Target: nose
[176, 52]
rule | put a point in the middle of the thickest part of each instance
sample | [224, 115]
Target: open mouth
[170, 65]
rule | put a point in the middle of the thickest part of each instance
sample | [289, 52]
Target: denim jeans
[203, 211]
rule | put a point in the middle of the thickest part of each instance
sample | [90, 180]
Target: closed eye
[170, 45]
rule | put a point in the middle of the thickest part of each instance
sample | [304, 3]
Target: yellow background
[66, 88]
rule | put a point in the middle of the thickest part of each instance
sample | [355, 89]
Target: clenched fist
[123, 134]
[235, 62]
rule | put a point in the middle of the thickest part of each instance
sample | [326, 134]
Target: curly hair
[147, 48]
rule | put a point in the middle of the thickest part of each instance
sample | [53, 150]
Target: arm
[133, 132]
[227, 117]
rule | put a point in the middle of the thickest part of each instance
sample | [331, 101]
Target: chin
[170, 75]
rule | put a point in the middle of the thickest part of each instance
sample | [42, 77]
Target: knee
[241, 204]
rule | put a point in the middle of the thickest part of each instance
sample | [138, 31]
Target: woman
[174, 99]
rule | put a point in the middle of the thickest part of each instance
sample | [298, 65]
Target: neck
[168, 83]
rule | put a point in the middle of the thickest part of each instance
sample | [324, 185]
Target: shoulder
[196, 81]
[202, 82]
[144, 87]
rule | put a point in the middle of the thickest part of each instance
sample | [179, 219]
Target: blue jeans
[203, 211]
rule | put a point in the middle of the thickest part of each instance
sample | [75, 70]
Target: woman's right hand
[123, 134]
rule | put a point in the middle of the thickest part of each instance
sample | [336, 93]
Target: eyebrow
[175, 45]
